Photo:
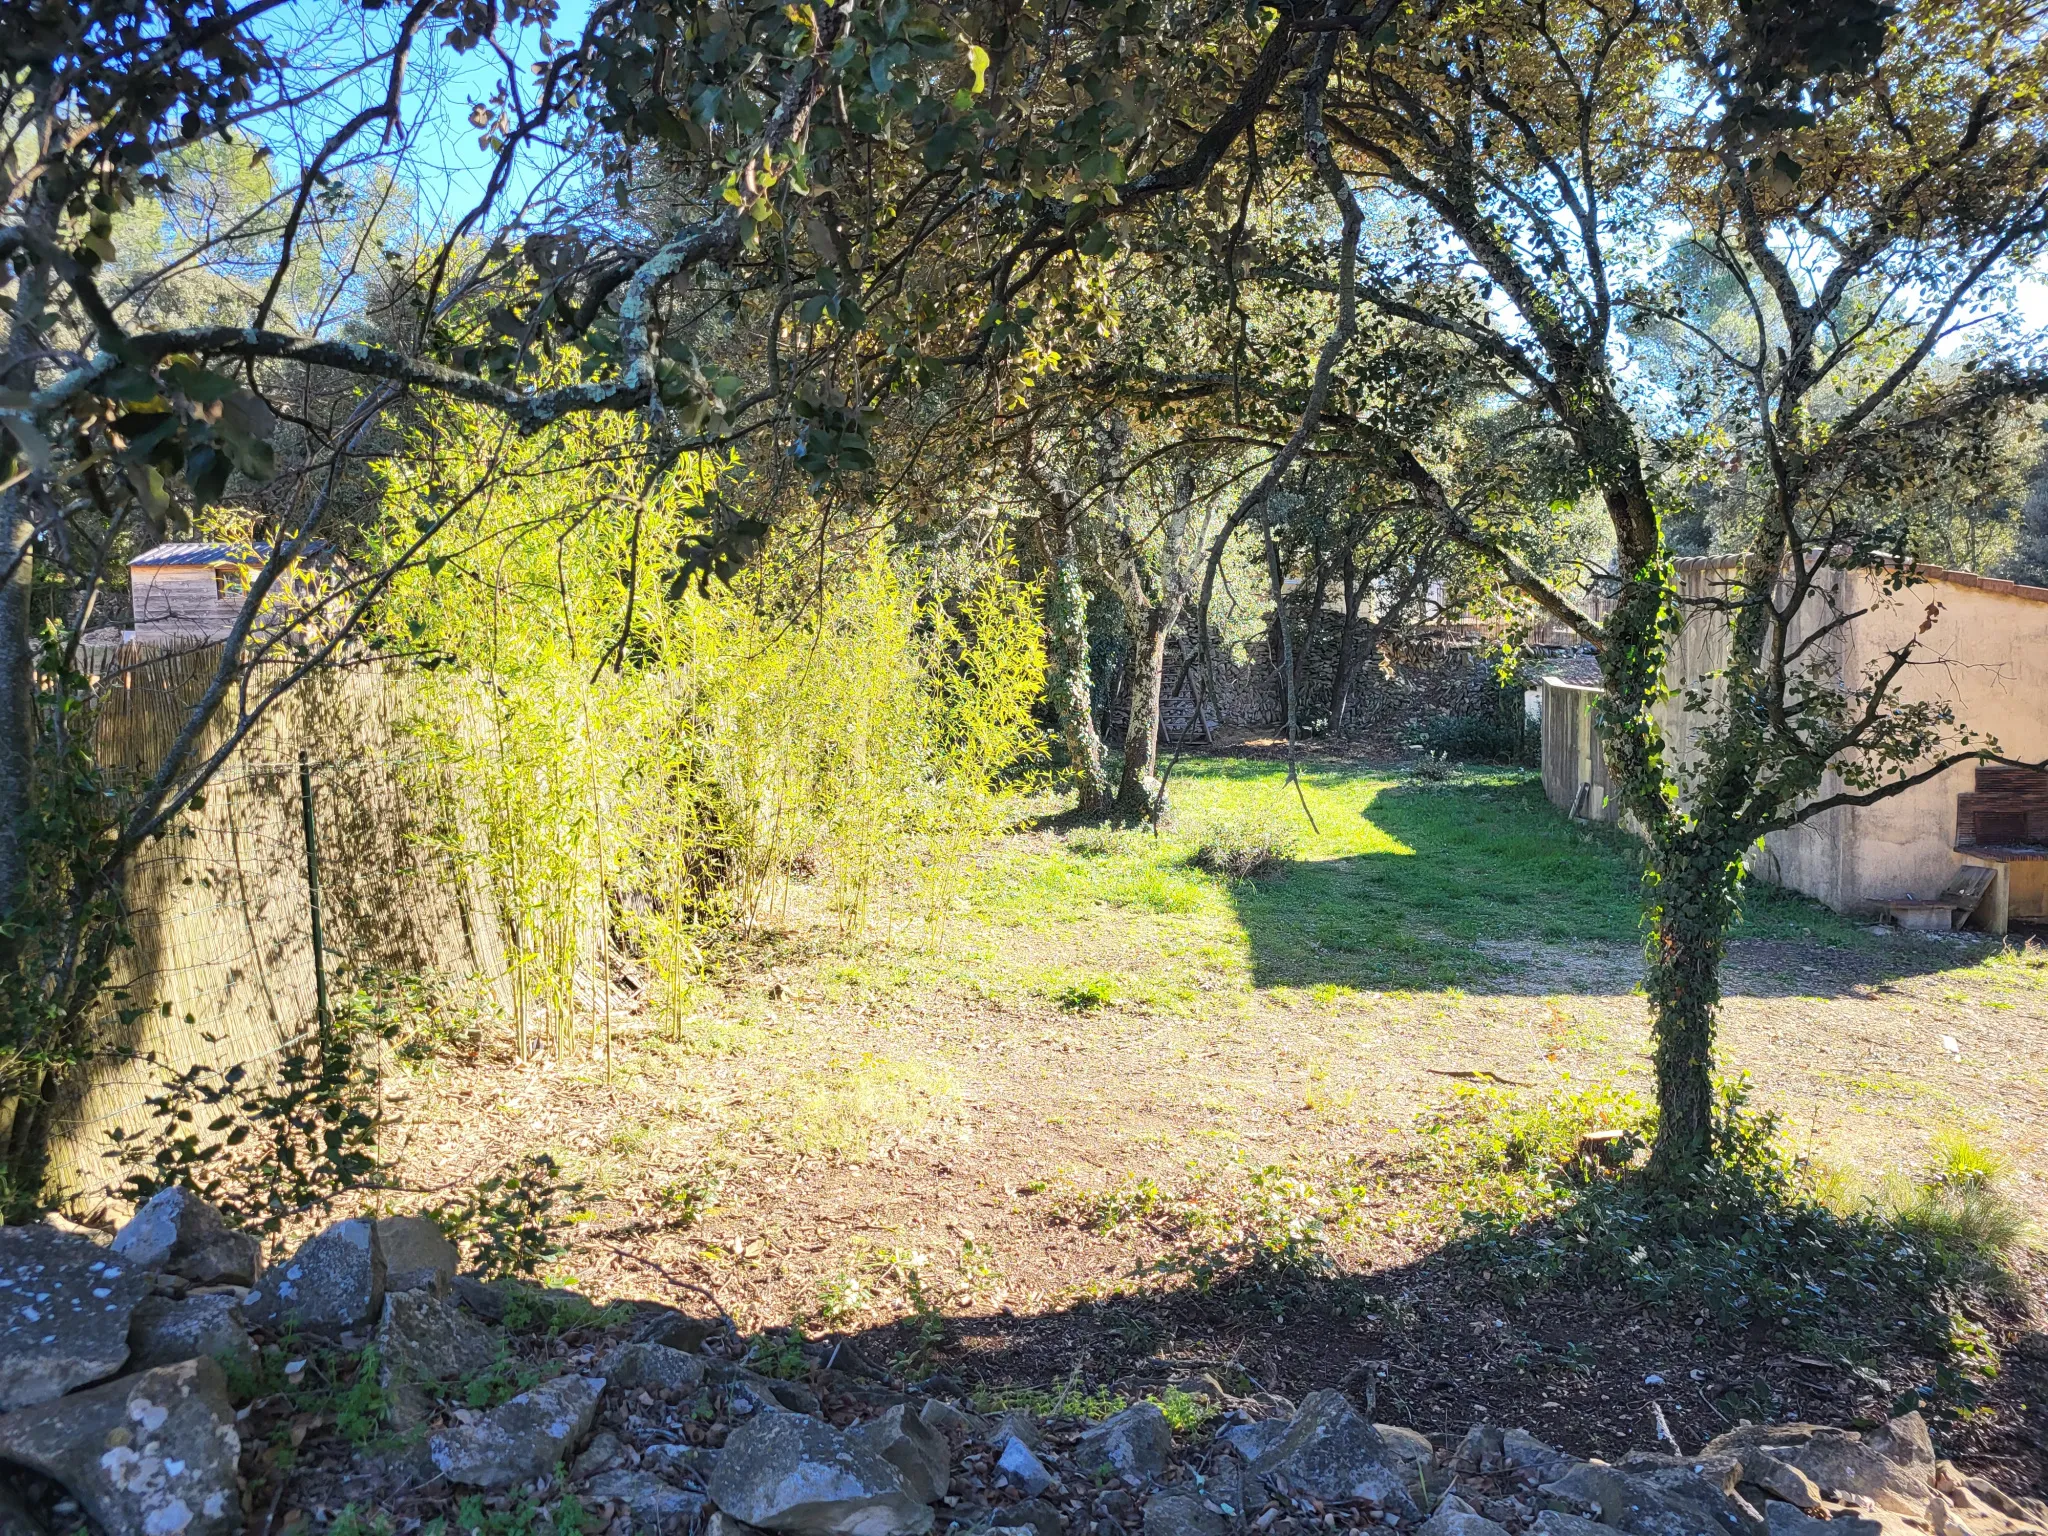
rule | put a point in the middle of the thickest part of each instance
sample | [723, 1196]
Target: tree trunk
[1139, 784]
[1066, 654]
[1694, 906]
[17, 692]
[1347, 644]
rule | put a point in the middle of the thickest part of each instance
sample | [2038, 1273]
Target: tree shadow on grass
[1483, 885]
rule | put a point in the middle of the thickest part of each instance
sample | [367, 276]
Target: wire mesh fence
[223, 969]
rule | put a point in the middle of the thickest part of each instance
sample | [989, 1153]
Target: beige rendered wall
[1985, 655]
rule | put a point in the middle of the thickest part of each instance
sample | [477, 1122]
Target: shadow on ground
[1484, 885]
[1436, 1345]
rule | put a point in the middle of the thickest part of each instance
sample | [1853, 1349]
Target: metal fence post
[323, 1013]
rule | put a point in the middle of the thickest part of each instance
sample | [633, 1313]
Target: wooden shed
[1574, 767]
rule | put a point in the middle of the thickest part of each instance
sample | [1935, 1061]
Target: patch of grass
[1072, 1401]
[851, 1110]
[1087, 995]
[1184, 1411]
[780, 1354]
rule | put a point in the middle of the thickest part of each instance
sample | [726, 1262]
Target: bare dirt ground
[961, 1146]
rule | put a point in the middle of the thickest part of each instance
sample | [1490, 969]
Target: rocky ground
[159, 1384]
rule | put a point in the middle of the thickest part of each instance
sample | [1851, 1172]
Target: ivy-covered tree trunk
[1138, 785]
[1693, 905]
[1066, 654]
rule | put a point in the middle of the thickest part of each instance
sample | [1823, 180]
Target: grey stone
[679, 1463]
[423, 1338]
[676, 1330]
[786, 1472]
[1181, 1512]
[655, 1505]
[1035, 1516]
[65, 1307]
[1020, 1464]
[768, 1391]
[1837, 1460]
[1526, 1454]
[918, 1452]
[1631, 1503]
[719, 1523]
[1482, 1450]
[1410, 1447]
[1700, 1483]
[1332, 1454]
[1779, 1480]
[1137, 1443]
[177, 1231]
[417, 1255]
[1555, 1522]
[953, 1422]
[1904, 1441]
[655, 1366]
[1225, 1486]
[1015, 1424]
[16, 1519]
[1454, 1517]
[483, 1298]
[164, 1332]
[335, 1282]
[602, 1454]
[524, 1439]
[1251, 1441]
[152, 1454]
[1783, 1520]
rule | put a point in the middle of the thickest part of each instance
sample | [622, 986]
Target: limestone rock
[333, 1283]
[1251, 1441]
[786, 1472]
[417, 1255]
[152, 1454]
[1631, 1503]
[654, 1366]
[1481, 1451]
[1033, 1516]
[676, 1330]
[483, 1298]
[719, 1523]
[1706, 1482]
[1410, 1447]
[164, 1332]
[65, 1307]
[1905, 1442]
[1020, 1464]
[918, 1452]
[1331, 1453]
[767, 1391]
[655, 1505]
[1015, 1424]
[679, 1463]
[1525, 1453]
[1137, 1443]
[1775, 1479]
[1181, 1512]
[953, 1422]
[1783, 1520]
[420, 1337]
[177, 1231]
[1553, 1522]
[1454, 1517]
[521, 1440]
[602, 1454]
[1838, 1460]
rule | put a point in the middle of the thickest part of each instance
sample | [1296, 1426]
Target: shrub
[1245, 849]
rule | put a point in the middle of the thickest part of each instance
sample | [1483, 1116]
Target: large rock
[1700, 1482]
[420, 1337]
[1251, 1441]
[524, 1439]
[1330, 1453]
[1454, 1517]
[66, 1303]
[417, 1255]
[335, 1282]
[655, 1505]
[178, 1232]
[1783, 1520]
[165, 1332]
[1531, 1457]
[786, 1472]
[1137, 1443]
[149, 1455]
[1630, 1503]
[676, 1330]
[654, 1366]
[1840, 1461]
[1020, 1464]
[1181, 1512]
[917, 1451]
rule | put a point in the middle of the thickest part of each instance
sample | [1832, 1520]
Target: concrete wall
[1984, 653]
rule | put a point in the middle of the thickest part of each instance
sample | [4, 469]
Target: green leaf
[977, 60]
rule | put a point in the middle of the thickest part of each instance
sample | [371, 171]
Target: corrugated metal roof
[214, 554]
[1578, 671]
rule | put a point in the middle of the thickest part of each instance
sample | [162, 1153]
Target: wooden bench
[1951, 907]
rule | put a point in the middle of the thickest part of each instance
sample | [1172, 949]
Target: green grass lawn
[1406, 883]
